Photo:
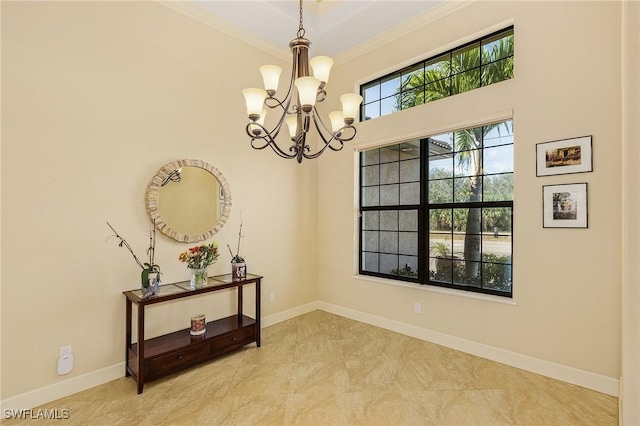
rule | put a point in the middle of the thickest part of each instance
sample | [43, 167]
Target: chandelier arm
[316, 119]
[273, 133]
[294, 71]
[268, 138]
[273, 102]
[321, 95]
[339, 134]
[270, 142]
[342, 138]
[327, 142]
[320, 151]
[286, 101]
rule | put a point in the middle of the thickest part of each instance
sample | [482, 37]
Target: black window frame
[423, 209]
[449, 54]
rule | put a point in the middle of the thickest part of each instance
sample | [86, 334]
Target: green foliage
[440, 249]
[144, 276]
[406, 271]
[497, 187]
[495, 273]
[444, 78]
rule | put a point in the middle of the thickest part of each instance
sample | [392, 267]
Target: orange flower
[200, 257]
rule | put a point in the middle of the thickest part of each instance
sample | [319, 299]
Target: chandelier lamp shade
[297, 109]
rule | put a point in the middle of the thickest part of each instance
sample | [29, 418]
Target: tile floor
[322, 369]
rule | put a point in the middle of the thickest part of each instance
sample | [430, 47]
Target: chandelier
[297, 109]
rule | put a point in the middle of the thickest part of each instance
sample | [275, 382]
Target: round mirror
[188, 200]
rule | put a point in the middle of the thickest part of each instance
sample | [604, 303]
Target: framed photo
[564, 206]
[564, 156]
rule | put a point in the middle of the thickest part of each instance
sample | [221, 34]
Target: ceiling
[333, 26]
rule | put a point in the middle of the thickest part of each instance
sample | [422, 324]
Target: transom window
[480, 63]
[439, 210]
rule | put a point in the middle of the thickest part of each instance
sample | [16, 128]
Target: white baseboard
[596, 382]
[59, 390]
[73, 385]
[288, 314]
[571, 375]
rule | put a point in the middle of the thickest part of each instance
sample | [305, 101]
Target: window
[439, 210]
[480, 63]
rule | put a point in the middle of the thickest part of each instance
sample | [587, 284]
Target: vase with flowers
[198, 259]
[150, 276]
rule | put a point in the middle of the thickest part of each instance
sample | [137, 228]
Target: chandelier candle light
[298, 114]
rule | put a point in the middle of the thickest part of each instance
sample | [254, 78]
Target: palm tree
[458, 72]
[461, 72]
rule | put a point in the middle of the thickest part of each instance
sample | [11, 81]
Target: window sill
[441, 290]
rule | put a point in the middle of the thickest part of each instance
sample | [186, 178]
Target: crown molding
[438, 12]
[194, 12]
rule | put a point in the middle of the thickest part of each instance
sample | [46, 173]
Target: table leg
[141, 366]
[258, 304]
[127, 342]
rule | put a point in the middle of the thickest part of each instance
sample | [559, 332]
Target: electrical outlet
[272, 297]
[65, 350]
[417, 308]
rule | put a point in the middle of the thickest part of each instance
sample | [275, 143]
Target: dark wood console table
[147, 360]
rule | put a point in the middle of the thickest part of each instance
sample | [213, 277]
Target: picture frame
[565, 206]
[564, 156]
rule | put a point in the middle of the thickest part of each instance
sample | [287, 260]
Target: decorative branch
[239, 236]
[151, 251]
[237, 258]
[123, 242]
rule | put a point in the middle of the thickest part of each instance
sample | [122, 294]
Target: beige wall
[97, 96]
[566, 281]
[630, 386]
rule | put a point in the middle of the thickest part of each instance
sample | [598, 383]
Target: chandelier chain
[301, 27]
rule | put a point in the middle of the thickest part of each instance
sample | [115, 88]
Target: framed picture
[564, 156]
[564, 206]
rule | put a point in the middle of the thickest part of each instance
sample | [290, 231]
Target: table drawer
[236, 338]
[177, 360]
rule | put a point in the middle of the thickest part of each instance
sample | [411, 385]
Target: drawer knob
[234, 338]
[179, 356]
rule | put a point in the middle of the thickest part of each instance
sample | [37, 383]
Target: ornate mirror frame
[151, 200]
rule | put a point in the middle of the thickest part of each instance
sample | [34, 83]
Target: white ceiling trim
[198, 14]
[438, 12]
[433, 14]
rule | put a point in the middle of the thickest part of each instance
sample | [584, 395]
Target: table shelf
[162, 355]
